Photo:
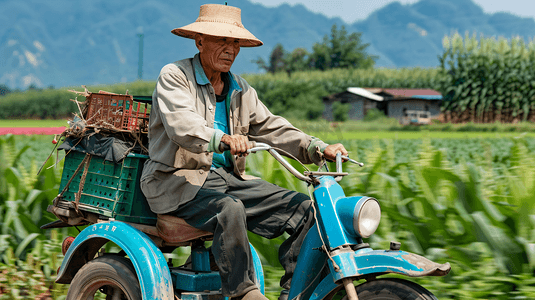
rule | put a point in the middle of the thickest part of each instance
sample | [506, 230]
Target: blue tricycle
[333, 263]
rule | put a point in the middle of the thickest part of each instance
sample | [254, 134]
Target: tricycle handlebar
[305, 177]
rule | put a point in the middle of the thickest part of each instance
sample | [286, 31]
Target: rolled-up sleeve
[176, 107]
[278, 132]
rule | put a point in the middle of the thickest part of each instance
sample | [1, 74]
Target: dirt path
[31, 130]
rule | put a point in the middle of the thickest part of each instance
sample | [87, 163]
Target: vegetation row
[298, 96]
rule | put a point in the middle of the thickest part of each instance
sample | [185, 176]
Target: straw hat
[219, 20]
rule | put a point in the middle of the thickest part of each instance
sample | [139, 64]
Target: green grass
[388, 128]
[33, 123]
[357, 130]
[365, 135]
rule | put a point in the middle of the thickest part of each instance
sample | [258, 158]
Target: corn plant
[33, 277]
[24, 197]
[487, 79]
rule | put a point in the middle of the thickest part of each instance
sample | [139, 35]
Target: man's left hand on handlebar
[331, 150]
[239, 144]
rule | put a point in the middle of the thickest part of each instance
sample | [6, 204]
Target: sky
[338, 8]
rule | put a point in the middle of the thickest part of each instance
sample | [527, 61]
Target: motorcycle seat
[175, 230]
[172, 231]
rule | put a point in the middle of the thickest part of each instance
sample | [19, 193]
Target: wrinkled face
[217, 53]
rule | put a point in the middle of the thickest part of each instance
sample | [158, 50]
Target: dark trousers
[229, 206]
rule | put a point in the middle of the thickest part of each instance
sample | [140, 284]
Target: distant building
[392, 102]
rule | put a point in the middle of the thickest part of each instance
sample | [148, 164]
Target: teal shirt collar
[201, 78]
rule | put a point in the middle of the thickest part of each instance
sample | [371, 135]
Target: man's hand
[331, 150]
[239, 144]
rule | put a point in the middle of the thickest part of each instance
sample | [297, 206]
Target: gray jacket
[181, 130]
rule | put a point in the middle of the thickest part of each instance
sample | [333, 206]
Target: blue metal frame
[200, 278]
[335, 220]
[326, 286]
[307, 284]
[149, 262]
[195, 281]
[200, 259]
[259, 271]
[310, 262]
[327, 193]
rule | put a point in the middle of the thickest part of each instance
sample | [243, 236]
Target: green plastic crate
[111, 190]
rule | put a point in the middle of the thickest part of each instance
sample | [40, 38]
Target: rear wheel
[388, 288]
[109, 276]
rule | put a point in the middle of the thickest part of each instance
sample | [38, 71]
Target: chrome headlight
[360, 216]
[366, 217]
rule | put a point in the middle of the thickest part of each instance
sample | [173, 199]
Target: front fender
[367, 262]
[149, 262]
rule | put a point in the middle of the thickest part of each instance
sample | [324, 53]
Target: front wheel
[391, 289]
[110, 276]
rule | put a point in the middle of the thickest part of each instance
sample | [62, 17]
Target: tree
[4, 90]
[296, 61]
[280, 60]
[33, 87]
[341, 50]
[276, 60]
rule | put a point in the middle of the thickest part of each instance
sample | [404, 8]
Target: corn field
[487, 80]
[467, 201]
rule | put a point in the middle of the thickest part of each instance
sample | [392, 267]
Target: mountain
[411, 35]
[66, 43]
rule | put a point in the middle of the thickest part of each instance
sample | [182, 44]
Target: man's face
[217, 53]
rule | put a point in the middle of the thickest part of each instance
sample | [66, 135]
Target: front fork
[347, 282]
[350, 289]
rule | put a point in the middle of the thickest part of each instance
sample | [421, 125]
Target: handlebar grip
[223, 147]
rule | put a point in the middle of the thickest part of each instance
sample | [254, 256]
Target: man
[199, 103]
